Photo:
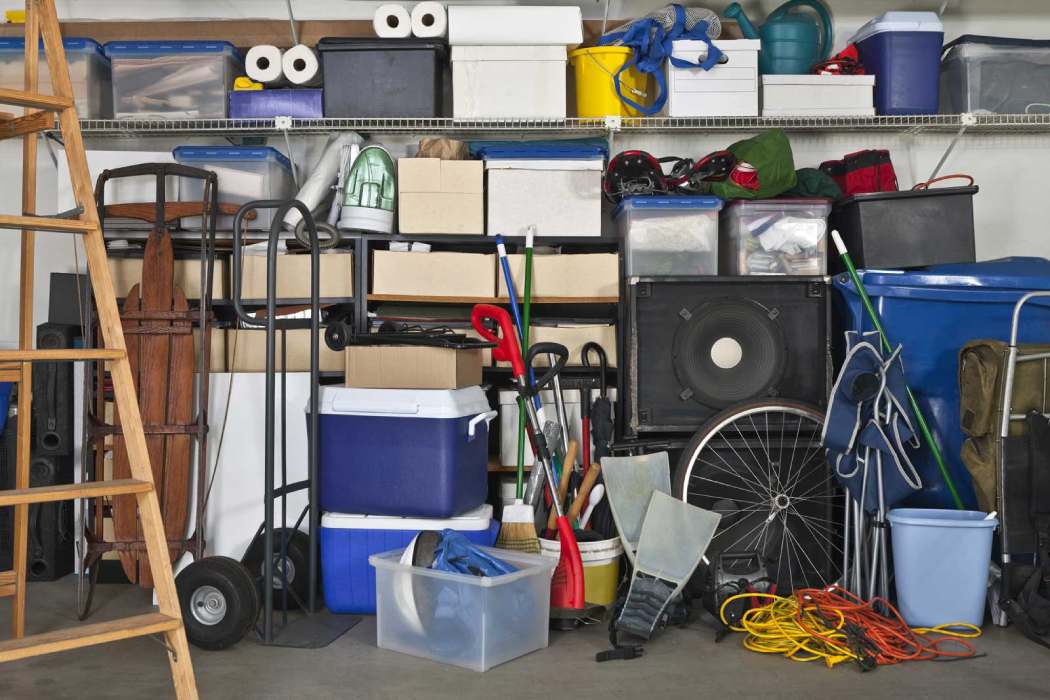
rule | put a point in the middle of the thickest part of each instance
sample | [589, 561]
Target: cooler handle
[345, 406]
[487, 417]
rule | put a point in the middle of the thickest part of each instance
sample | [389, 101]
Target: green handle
[525, 314]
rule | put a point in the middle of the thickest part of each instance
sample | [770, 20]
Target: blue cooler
[933, 312]
[903, 51]
[410, 452]
[348, 540]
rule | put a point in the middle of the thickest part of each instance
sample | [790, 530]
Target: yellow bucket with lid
[595, 70]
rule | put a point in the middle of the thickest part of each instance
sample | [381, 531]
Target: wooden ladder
[16, 366]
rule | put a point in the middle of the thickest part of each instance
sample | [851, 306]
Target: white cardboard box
[818, 95]
[730, 89]
[440, 196]
[558, 197]
[434, 274]
[508, 421]
[514, 25]
[509, 82]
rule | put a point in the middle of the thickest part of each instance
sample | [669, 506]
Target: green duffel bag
[764, 168]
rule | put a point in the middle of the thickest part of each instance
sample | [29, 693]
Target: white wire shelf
[263, 127]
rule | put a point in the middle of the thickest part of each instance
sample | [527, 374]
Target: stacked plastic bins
[774, 237]
[89, 71]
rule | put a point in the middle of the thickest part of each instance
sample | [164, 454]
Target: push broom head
[518, 530]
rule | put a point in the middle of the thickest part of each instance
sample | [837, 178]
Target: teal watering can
[791, 41]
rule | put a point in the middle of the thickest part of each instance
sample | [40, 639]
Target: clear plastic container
[774, 237]
[669, 236]
[89, 72]
[469, 621]
[172, 80]
[995, 74]
[245, 173]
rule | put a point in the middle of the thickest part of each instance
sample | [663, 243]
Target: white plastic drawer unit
[730, 89]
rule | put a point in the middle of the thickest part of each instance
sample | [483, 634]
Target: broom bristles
[518, 531]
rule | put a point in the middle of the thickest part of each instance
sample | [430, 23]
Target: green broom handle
[924, 427]
[525, 314]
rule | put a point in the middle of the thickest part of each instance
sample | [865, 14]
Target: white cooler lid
[472, 521]
[404, 403]
[898, 21]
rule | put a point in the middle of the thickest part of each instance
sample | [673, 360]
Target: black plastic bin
[906, 229]
[378, 78]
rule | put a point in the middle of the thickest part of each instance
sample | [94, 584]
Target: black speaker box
[8, 462]
[697, 345]
[51, 541]
[53, 393]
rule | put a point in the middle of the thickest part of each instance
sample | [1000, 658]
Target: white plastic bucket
[601, 567]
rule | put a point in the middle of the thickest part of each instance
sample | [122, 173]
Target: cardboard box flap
[419, 174]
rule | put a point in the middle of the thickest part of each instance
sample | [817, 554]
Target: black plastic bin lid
[909, 194]
[335, 43]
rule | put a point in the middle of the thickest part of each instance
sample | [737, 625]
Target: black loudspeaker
[69, 299]
[53, 393]
[50, 539]
[8, 461]
[695, 346]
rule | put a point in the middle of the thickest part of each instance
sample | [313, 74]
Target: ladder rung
[22, 98]
[7, 577]
[29, 124]
[87, 635]
[63, 355]
[45, 223]
[67, 492]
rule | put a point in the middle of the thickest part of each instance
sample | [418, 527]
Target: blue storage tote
[903, 51]
[88, 71]
[410, 452]
[298, 103]
[348, 540]
[933, 312]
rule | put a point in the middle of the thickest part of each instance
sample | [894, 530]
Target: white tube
[429, 20]
[322, 177]
[301, 66]
[392, 22]
[263, 65]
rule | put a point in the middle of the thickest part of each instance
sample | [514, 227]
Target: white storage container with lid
[774, 237]
[172, 79]
[818, 95]
[669, 236]
[245, 173]
[730, 89]
[509, 82]
[89, 72]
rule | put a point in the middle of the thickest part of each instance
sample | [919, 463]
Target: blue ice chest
[903, 51]
[348, 540]
[407, 452]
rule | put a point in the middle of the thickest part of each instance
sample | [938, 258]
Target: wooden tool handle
[585, 491]
[563, 485]
[147, 211]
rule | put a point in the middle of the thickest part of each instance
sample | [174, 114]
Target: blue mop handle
[501, 248]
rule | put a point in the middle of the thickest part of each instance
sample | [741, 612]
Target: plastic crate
[774, 237]
[89, 71]
[669, 236]
[995, 74]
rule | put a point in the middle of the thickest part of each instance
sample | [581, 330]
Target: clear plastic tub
[172, 80]
[669, 236]
[774, 237]
[89, 72]
[995, 74]
[245, 173]
[469, 621]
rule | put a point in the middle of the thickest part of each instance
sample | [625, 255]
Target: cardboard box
[246, 352]
[566, 275]
[336, 276]
[411, 367]
[558, 197]
[434, 274]
[574, 336]
[440, 196]
[127, 272]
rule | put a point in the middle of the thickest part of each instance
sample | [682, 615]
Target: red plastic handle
[567, 584]
[507, 348]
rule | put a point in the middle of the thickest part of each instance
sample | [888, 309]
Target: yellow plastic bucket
[595, 69]
[601, 567]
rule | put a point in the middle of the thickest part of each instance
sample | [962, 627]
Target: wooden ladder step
[22, 98]
[67, 492]
[87, 635]
[45, 223]
[62, 355]
[30, 124]
[8, 583]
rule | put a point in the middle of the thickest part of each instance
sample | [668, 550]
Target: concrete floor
[681, 663]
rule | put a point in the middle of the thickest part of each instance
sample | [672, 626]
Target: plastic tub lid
[404, 403]
[472, 521]
[700, 202]
[77, 44]
[898, 21]
[540, 150]
[232, 154]
[937, 517]
[909, 194]
[779, 204]
[338, 43]
[995, 280]
[1000, 41]
[163, 48]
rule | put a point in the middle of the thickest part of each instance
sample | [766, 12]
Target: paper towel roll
[301, 66]
[429, 20]
[263, 65]
[392, 22]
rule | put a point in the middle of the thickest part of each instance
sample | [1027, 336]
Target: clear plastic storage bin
[172, 80]
[669, 236]
[774, 237]
[88, 70]
[245, 174]
[995, 74]
[470, 621]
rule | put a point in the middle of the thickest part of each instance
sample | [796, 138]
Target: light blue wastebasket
[940, 563]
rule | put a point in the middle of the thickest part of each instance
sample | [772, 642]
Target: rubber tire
[298, 553]
[242, 601]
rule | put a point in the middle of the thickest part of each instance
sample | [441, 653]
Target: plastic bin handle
[487, 416]
[356, 406]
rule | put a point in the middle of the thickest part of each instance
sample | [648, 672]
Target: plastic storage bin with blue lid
[932, 313]
[172, 79]
[669, 236]
[89, 71]
[903, 51]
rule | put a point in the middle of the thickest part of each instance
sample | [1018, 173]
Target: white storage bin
[245, 174]
[818, 95]
[730, 89]
[88, 71]
[560, 197]
[509, 82]
[774, 237]
[476, 622]
[508, 421]
[172, 80]
[668, 236]
[124, 190]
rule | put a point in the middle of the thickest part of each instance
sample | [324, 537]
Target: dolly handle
[561, 355]
[507, 348]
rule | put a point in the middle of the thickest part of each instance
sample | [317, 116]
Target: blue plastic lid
[77, 44]
[998, 281]
[230, 154]
[705, 202]
[164, 48]
[542, 150]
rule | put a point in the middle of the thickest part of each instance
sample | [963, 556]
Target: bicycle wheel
[762, 466]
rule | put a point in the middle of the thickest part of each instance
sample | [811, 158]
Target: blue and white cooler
[405, 452]
[348, 540]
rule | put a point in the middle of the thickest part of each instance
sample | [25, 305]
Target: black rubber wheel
[219, 602]
[296, 567]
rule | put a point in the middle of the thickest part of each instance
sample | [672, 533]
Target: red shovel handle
[507, 348]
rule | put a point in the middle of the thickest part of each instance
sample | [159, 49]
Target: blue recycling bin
[933, 312]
